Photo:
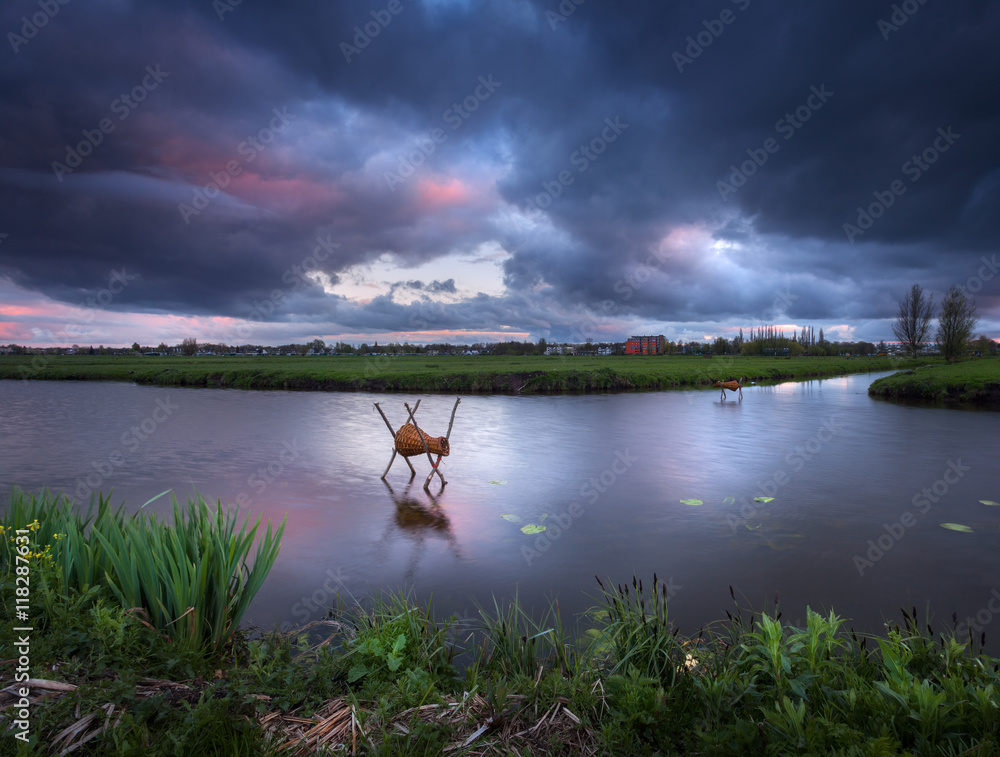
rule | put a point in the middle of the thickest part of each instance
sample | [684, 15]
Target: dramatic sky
[483, 170]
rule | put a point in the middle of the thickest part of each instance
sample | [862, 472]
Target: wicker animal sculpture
[732, 386]
[408, 442]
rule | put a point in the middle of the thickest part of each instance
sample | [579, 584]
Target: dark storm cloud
[579, 141]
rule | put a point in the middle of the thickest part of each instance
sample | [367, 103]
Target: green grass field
[972, 381]
[465, 374]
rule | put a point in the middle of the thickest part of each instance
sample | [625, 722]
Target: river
[859, 486]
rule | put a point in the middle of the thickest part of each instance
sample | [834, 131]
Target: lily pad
[990, 502]
[499, 483]
[763, 499]
[512, 518]
[729, 500]
[957, 527]
[532, 528]
[692, 502]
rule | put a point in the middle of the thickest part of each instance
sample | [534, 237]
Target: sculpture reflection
[418, 521]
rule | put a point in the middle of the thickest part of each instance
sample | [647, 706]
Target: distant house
[560, 349]
[644, 345]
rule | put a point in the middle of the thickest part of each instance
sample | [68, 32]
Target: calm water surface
[604, 473]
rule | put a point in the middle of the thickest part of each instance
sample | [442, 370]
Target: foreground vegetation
[971, 381]
[455, 374]
[385, 677]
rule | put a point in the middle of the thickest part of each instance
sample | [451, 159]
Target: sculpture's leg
[452, 421]
[391, 460]
[423, 440]
[387, 424]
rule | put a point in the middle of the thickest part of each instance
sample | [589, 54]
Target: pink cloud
[437, 194]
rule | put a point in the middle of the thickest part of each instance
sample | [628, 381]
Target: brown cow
[732, 386]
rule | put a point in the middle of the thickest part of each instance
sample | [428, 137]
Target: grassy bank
[458, 374]
[383, 676]
[971, 381]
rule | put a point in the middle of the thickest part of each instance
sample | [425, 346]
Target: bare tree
[957, 323]
[189, 346]
[913, 321]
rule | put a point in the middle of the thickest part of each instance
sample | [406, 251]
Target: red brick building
[644, 345]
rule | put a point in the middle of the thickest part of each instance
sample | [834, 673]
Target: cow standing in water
[732, 386]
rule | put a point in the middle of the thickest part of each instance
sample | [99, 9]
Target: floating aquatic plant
[512, 518]
[532, 528]
[990, 502]
[957, 527]
[763, 499]
[499, 483]
[692, 502]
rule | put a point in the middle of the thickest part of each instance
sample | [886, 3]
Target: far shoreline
[483, 374]
[973, 383]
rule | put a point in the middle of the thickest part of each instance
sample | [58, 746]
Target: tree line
[957, 323]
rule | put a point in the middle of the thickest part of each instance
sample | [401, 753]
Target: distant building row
[645, 345]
